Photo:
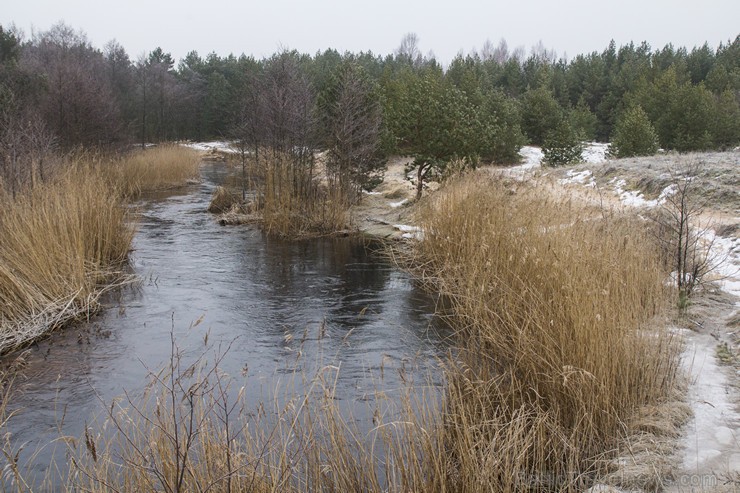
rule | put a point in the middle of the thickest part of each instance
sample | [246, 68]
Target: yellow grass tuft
[556, 310]
[222, 201]
[60, 242]
[294, 204]
[157, 168]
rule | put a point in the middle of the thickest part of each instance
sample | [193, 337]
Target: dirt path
[385, 212]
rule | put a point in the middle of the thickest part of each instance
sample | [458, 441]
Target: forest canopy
[58, 86]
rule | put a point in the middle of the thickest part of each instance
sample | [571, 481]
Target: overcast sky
[262, 27]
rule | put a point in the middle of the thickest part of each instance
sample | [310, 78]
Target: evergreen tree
[540, 114]
[634, 135]
[562, 145]
[583, 120]
[726, 128]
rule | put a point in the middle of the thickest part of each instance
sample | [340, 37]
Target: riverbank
[704, 455]
[292, 313]
[64, 240]
[690, 439]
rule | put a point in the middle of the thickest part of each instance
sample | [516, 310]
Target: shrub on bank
[562, 145]
[554, 309]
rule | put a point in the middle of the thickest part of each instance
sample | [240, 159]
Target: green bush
[634, 135]
[563, 145]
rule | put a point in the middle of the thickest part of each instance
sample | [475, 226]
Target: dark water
[257, 295]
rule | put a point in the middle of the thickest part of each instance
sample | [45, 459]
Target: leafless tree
[354, 124]
[286, 107]
[543, 54]
[27, 147]
[78, 102]
[499, 54]
[685, 233]
[409, 50]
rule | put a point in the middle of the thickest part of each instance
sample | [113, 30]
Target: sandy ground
[387, 211]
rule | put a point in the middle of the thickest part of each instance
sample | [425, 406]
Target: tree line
[57, 89]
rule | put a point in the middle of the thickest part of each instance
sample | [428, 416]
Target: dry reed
[555, 309]
[190, 433]
[294, 204]
[158, 168]
[64, 241]
[557, 353]
[222, 201]
[61, 242]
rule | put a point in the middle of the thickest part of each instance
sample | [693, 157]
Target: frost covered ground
[213, 146]
[709, 451]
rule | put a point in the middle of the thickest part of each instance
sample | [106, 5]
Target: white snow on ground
[725, 259]
[395, 205]
[637, 199]
[531, 157]
[714, 430]
[595, 152]
[216, 145]
[413, 232]
[531, 161]
[578, 177]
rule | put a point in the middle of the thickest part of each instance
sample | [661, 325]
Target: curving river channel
[255, 294]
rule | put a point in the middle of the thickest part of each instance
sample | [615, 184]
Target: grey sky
[444, 27]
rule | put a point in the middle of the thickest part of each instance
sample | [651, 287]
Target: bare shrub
[294, 204]
[684, 234]
[27, 148]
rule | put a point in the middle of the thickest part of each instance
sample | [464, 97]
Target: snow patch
[635, 198]
[216, 145]
[398, 204]
[595, 152]
[714, 428]
[410, 232]
[726, 254]
[531, 157]
[578, 177]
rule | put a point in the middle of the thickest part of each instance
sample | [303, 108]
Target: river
[257, 295]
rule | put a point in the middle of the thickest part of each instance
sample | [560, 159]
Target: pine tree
[562, 145]
[634, 135]
[540, 114]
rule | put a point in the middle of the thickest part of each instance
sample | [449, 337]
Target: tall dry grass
[293, 202]
[156, 168]
[61, 242]
[189, 432]
[557, 351]
[556, 312]
[64, 240]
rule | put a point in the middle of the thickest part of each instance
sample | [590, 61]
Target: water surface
[258, 296]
